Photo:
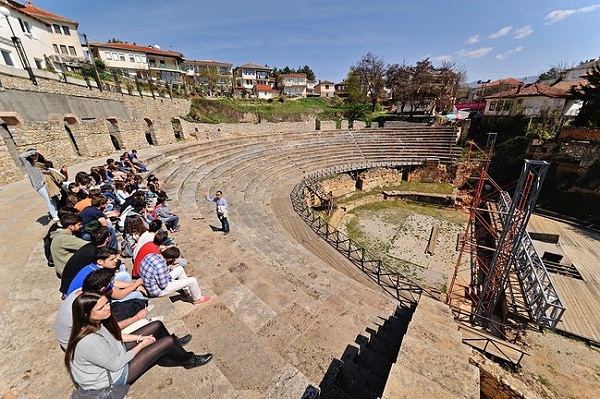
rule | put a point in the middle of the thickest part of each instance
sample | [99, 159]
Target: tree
[398, 80]
[589, 94]
[210, 78]
[422, 87]
[370, 72]
[555, 72]
[355, 93]
[310, 74]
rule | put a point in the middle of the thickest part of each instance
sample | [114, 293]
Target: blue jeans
[224, 222]
[172, 222]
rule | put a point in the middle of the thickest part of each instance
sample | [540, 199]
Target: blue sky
[488, 39]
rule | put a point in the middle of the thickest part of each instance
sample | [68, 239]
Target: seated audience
[106, 258]
[64, 242]
[83, 257]
[162, 276]
[162, 212]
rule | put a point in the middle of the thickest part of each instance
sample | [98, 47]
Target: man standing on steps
[222, 214]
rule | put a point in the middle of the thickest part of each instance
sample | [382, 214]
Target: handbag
[110, 392]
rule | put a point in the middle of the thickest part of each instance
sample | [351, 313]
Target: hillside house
[293, 84]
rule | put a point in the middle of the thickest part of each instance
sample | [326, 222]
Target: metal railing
[393, 282]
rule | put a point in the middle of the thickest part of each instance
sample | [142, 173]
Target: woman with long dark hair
[97, 347]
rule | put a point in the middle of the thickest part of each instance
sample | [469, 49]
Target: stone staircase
[433, 363]
[285, 304]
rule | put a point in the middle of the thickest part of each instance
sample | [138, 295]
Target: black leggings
[165, 345]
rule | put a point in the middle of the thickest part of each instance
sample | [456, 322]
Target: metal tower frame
[497, 242]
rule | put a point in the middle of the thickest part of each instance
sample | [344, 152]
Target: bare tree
[398, 80]
[370, 71]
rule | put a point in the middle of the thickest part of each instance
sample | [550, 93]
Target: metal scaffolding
[496, 247]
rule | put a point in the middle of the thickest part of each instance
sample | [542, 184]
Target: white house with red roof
[215, 76]
[32, 32]
[529, 100]
[250, 74]
[67, 50]
[264, 92]
[293, 84]
[141, 61]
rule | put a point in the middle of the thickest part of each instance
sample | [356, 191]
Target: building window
[7, 58]
[162, 63]
[131, 58]
[121, 56]
[57, 29]
[72, 51]
[107, 55]
[25, 26]
[56, 49]
[63, 49]
[137, 58]
[66, 30]
[39, 64]
[115, 56]
[493, 106]
[144, 59]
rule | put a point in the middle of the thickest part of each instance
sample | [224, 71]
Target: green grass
[231, 110]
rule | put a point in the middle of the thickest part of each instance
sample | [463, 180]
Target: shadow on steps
[363, 369]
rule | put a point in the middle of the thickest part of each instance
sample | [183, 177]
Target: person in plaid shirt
[162, 276]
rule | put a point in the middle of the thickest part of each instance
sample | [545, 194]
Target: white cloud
[522, 32]
[473, 39]
[442, 58]
[502, 32]
[477, 53]
[504, 56]
[559, 15]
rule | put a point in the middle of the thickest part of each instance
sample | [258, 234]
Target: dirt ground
[555, 367]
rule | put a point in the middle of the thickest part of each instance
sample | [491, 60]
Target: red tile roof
[533, 90]
[208, 62]
[567, 85]
[263, 88]
[502, 82]
[134, 47]
[20, 7]
[294, 75]
[30, 9]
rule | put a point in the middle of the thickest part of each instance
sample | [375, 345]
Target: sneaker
[202, 300]
[226, 232]
[185, 339]
[197, 360]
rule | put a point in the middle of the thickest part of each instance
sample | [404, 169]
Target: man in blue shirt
[106, 258]
[222, 213]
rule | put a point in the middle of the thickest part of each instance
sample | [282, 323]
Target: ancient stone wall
[328, 125]
[358, 125]
[339, 185]
[207, 131]
[67, 122]
[379, 177]
[432, 172]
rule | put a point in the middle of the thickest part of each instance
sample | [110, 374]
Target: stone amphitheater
[289, 312]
